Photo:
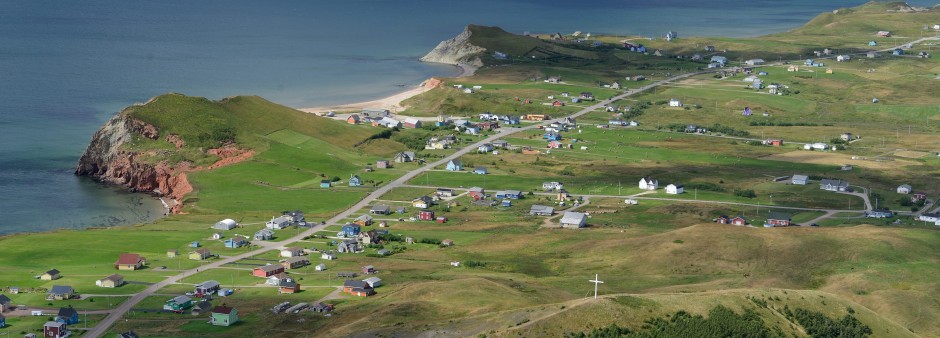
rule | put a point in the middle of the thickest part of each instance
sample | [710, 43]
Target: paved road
[126, 306]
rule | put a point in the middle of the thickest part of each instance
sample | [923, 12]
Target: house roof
[475, 189]
[202, 306]
[838, 183]
[572, 217]
[677, 185]
[355, 284]
[372, 280]
[222, 309]
[778, 215]
[180, 299]
[509, 192]
[54, 324]
[239, 239]
[269, 268]
[53, 272]
[4, 299]
[202, 251]
[61, 289]
[208, 284]
[412, 120]
[281, 276]
[297, 259]
[455, 162]
[381, 208]
[542, 208]
[114, 278]
[800, 177]
[293, 249]
[67, 312]
[424, 199]
[480, 169]
[908, 186]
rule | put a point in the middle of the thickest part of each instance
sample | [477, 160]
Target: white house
[843, 58]
[799, 179]
[225, 224]
[373, 282]
[328, 256]
[675, 189]
[721, 60]
[551, 185]
[675, 103]
[573, 220]
[904, 189]
[815, 146]
[928, 217]
[485, 148]
[278, 223]
[648, 183]
[321, 267]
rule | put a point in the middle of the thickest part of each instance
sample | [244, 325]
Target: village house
[278, 279]
[647, 183]
[353, 119]
[216, 235]
[264, 235]
[373, 282]
[225, 224]
[358, 288]
[549, 186]
[363, 221]
[236, 242]
[454, 165]
[288, 288]
[904, 189]
[754, 62]
[553, 79]
[426, 215]
[355, 181]
[277, 223]
[52, 274]
[200, 254]
[60, 292]
[834, 185]
[472, 130]
[349, 230]
[773, 142]
[207, 288]
[777, 219]
[536, 117]
[511, 194]
[295, 262]
[266, 271]
[485, 148]
[573, 220]
[675, 189]
[422, 202]
[880, 213]
[348, 246]
[320, 267]
[326, 183]
[321, 307]
[55, 330]
[328, 256]
[720, 60]
[476, 193]
[200, 308]
[445, 192]
[843, 58]
[412, 123]
[178, 304]
[675, 103]
[292, 252]
[380, 210]
[128, 261]
[382, 164]
[67, 315]
[929, 218]
[918, 196]
[172, 253]
[5, 303]
[111, 281]
[223, 316]
[404, 156]
[799, 179]
[541, 210]
[480, 170]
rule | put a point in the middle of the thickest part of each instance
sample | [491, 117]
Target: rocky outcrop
[456, 51]
[106, 160]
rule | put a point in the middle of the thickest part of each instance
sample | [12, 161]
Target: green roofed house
[224, 316]
[178, 304]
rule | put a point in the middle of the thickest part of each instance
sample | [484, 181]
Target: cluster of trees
[746, 193]
[704, 186]
[817, 325]
[215, 137]
[412, 141]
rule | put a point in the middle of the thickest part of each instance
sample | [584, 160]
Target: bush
[747, 193]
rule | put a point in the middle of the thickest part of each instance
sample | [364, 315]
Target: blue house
[454, 165]
[67, 315]
[355, 181]
[506, 203]
[511, 120]
[552, 136]
[898, 51]
[325, 184]
[872, 43]
[236, 242]
[194, 244]
[3, 321]
[575, 100]
[512, 194]
[480, 171]
[350, 230]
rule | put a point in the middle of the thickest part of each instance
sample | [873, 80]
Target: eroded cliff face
[456, 51]
[107, 160]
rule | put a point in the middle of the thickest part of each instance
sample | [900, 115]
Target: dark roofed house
[541, 210]
[67, 315]
[380, 210]
[4, 303]
[60, 292]
[201, 308]
[358, 288]
[51, 275]
[833, 185]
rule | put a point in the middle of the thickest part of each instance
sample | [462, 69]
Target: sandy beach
[392, 103]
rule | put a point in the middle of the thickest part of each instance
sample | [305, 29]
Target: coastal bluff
[457, 51]
[108, 159]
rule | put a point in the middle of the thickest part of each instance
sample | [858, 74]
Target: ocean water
[67, 66]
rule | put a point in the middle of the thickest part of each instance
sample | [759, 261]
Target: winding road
[127, 305]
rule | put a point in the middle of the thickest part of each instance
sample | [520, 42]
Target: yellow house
[50, 275]
[128, 261]
[200, 254]
[172, 253]
[111, 281]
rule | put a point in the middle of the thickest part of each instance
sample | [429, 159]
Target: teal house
[178, 304]
[355, 181]
[454, 165]
[224, 316]
[325, 184]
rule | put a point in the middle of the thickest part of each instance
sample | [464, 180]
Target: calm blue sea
[67, 66]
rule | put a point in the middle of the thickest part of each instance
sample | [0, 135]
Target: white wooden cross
[596, 281]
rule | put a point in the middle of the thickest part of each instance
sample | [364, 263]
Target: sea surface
[67, 66]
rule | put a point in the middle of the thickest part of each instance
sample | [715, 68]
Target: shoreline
[393, 102]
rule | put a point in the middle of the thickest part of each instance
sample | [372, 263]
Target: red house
[723, 219]
[774, 142]
[557, 103]
[442, 220]
[54, 330]
[918, 196]
[289, 288]
[426, 215]
[476, 193]
[268, 270]
[777, 219]
[739, 221]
